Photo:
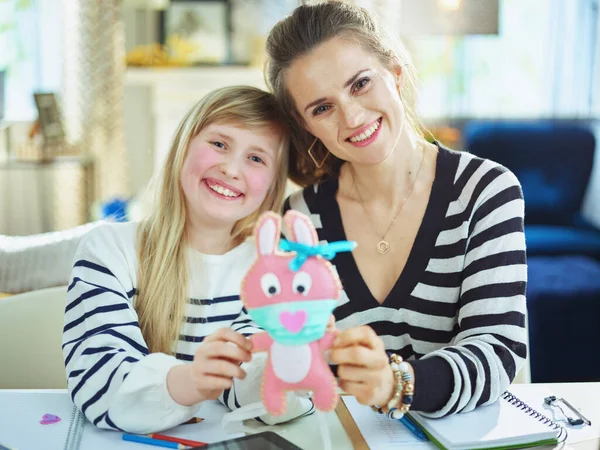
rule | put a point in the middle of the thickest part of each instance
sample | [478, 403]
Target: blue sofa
[553, 161]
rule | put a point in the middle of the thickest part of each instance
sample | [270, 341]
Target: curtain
[572, 62]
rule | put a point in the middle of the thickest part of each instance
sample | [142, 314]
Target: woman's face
[349, 100]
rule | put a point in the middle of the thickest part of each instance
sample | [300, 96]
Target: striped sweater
[111, 376]
[458, 308]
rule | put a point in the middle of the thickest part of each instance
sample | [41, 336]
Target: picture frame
[49, 118]
[198, 30]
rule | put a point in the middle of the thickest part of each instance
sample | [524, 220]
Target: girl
[153, 322]
[439, 273]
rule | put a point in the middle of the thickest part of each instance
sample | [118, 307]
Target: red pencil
[163, 437]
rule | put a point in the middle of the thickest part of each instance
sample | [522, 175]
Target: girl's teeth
[223, 191]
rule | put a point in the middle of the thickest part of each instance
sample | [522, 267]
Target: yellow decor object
[157, 55]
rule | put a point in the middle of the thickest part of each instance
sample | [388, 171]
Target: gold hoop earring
[312, 156]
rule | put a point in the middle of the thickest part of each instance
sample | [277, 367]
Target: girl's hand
[216, 363]
[363, 366]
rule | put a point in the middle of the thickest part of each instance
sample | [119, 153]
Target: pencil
[150, 441]
[188, 442]
[193, 420]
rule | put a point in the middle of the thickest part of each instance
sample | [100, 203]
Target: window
[543, 63]
[30, 51]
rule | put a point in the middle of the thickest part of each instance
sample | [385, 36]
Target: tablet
[266, 440]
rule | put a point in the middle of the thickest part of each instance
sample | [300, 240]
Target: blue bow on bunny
[303, 251]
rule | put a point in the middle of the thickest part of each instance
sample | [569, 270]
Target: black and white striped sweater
[458, 308]
[111, 376]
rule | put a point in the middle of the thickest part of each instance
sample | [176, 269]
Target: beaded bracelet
[404, 390]
[408, 388]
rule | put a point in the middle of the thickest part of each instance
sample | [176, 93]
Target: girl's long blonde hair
[309, 26]
[162, 293]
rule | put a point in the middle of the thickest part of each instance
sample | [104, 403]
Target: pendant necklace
[383, 246]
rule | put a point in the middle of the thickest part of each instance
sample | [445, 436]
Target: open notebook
[508, 423]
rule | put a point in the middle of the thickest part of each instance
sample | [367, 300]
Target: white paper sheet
[379, 432]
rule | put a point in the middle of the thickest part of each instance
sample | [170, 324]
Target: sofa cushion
[562, 240]
[563, 305]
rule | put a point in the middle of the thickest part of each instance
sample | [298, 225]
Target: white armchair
[39, 261]
[31, 326]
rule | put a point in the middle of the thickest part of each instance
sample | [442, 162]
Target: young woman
[439, 273]
[153, 322]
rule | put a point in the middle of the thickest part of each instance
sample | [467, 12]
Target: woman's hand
[363, 366]
[216, 363]
[331, 324]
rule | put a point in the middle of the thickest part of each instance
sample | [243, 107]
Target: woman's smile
[366, 135]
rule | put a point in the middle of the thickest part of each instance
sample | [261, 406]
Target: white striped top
[458, 308]
[111, 376]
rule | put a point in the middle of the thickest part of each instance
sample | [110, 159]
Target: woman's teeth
[365, 134]
[223, 191]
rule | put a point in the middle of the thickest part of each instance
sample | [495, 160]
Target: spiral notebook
[508, 423]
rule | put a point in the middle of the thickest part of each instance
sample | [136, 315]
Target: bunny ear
[267, 233]
[301, 228]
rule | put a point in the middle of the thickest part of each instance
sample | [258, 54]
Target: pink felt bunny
[291, 295]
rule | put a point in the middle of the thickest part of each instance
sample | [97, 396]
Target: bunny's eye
[270, 284]
[302, 283]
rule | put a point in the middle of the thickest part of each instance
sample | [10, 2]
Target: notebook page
[379, 432]
[494, 425]
[20, 414]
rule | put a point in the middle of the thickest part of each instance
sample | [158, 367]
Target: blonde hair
[163, 271]
[297, 35]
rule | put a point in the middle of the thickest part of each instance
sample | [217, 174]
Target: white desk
[305, 432]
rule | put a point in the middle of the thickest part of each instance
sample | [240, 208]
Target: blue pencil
[150, 441]
[413, 428]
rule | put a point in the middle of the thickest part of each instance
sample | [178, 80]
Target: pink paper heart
[293, 322]
[48, 419]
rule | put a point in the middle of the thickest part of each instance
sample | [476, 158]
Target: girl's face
[349, 100]
[227, 173]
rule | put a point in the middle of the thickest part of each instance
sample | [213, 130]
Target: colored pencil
[150, 441]
[188, 442]
[413, 428]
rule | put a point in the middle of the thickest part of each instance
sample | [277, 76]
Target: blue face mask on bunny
[295, 323]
